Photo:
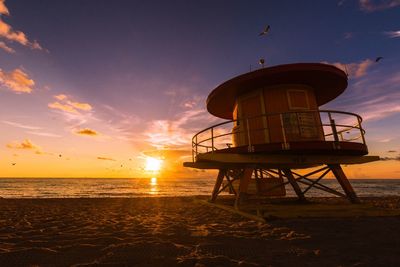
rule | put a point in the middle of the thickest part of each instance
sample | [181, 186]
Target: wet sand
[183, 232]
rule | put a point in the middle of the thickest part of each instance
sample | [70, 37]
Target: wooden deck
[232, 161]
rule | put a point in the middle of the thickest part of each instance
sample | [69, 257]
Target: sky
[91, 88]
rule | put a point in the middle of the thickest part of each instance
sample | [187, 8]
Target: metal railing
[322, 125]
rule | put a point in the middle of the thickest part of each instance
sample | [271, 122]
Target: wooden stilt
[344, 182]
[243, 185]
[293, 183]
[218, 182]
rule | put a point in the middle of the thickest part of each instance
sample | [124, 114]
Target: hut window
[298, 99]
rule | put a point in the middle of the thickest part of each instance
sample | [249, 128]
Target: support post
[344, 183]
[243, 186]
[218, 182]
[293, 183]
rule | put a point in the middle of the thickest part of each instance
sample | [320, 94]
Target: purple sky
[87, 86]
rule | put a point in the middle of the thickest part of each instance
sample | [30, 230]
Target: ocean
[144, 187]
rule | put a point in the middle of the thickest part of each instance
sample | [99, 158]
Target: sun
[153, 164]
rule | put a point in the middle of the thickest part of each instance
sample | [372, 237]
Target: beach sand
[184, 232]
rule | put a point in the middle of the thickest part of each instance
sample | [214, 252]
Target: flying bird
[266, 30]
[378, 59]
[13, 163]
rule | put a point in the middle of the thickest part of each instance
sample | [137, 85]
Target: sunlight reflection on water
[153, 186]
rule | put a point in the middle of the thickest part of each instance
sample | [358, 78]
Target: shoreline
[180, 231]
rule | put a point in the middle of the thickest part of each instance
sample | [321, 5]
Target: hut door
[254, 126]
[303, 123]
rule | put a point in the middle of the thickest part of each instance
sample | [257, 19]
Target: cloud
[6, 48]
[355, 69]
[80, 106]
[392, 34]
[60, 97]
[22, 126]
[374, 97]
[86, 131]
[167, 153]
[390, 158]
[392, 151]
[62, 107]
[371, 6]
[25, 144]
[17, 81]
[45, 134]
[68, 106]
[34, 129]
[3, 8]
[105, 158]
[177, 133]
[123, 124]
[9, 34]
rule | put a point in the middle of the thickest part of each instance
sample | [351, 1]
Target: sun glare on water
[153, 164]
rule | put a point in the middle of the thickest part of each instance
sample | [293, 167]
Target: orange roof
[327, 80]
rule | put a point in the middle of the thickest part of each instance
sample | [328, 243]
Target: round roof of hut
[327, 81]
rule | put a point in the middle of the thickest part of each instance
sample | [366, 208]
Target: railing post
[361, 130]
[192, 151]
[334, 131]
[248, 135]
[196, 146]
[333, 126]
[283, 132]
[212, 139]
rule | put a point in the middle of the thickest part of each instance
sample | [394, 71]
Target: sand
[183, 232]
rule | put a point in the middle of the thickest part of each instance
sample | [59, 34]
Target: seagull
[266, 30]
[378, 58]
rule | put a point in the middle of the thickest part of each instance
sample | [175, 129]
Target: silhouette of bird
[378, 59]
[13, 163]
[266, 30]
[60, 155]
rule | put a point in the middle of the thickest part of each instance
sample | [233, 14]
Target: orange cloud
[25, 144]
[60, 97]
[6, 48]
[9, 34]
[86, 131]
[105, 158]
[81, 106]
[3, 8]
[63, 107]
[17, 81]
[69, 106]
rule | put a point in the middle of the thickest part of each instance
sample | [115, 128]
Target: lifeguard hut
[274, 126]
